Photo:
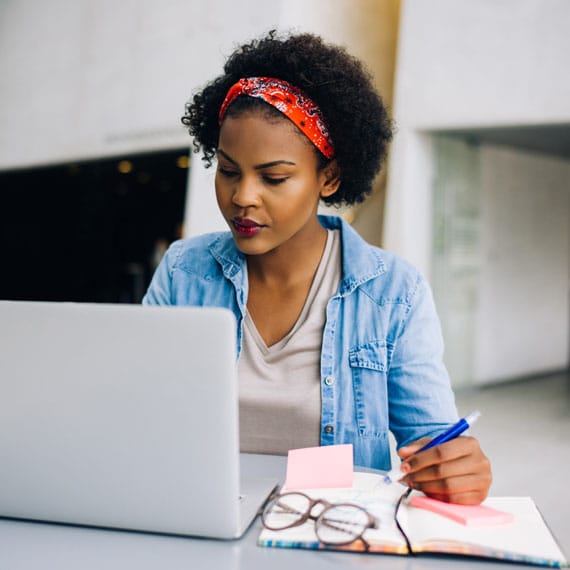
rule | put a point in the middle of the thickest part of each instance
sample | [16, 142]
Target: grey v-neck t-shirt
[279, 386]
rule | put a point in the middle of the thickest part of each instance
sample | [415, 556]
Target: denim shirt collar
[360, 262]
[233, 264]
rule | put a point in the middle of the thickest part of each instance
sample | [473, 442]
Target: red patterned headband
[292, 102]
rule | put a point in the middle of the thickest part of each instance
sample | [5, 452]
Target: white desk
[27, 545]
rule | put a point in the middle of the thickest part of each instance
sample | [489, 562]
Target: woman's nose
[246, 193]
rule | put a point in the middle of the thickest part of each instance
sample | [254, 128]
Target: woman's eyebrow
[226, 156]
[273, 163]
[258, 166]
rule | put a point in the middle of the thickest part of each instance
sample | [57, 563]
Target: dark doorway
[89, 231]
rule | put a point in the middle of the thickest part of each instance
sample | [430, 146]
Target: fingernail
[405, 468]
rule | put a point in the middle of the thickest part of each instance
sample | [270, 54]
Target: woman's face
[267, 183]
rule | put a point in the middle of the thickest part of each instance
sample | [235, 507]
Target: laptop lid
[120, 416]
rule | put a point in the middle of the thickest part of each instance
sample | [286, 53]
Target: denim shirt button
[329, 429]
[329, 380]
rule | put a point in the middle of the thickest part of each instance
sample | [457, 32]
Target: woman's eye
[227, 173]
[274, 181]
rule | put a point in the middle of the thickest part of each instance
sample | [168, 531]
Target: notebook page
[526, 539]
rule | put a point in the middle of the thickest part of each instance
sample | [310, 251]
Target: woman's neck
[293, 263]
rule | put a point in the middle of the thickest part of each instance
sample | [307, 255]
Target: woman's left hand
[455, 472]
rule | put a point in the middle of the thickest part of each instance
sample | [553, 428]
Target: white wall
[484, 62]
[466, 65]
[462, 64]
[91, 78]
[524, 278]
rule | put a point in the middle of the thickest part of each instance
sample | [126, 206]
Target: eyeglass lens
[286, 511]
[341, 524]
[337, 524]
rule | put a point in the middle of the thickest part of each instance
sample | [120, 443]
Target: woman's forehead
[256, 132]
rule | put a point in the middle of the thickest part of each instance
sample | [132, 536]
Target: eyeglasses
[337, 524]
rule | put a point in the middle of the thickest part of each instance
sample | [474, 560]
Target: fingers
[456, 471]
[464, 489]
[408, 450]
[450, 451]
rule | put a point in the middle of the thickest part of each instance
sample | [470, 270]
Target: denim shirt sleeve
[421, 401]
[159, 291]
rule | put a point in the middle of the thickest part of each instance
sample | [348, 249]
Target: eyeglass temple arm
[396, 510]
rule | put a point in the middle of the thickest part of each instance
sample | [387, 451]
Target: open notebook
[527, 539]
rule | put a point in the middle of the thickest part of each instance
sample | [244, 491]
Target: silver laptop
[122, 416]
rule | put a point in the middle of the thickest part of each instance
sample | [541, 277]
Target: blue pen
[451, 433]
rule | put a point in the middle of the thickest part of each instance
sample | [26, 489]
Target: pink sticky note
[470, 515]
[323, 467]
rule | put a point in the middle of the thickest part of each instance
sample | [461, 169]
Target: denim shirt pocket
[368, 364]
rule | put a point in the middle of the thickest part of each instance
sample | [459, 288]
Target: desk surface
[27, 545]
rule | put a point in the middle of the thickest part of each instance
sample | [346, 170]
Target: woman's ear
[330, 179]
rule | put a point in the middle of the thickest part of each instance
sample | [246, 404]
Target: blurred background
[97, 178]
[96, 175]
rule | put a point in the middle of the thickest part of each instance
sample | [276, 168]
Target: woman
[338, 341]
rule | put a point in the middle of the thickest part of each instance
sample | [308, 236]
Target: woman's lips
[246, 227]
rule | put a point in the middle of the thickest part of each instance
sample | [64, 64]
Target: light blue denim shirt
[381, 359]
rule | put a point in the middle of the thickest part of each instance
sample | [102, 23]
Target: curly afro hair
[337, 82]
